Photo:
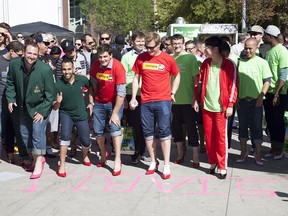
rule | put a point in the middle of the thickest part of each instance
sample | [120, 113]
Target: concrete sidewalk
[248, 190]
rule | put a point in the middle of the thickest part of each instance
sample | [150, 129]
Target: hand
[10, 107]
[59, 97]
[196, 106]
[259, 101]
[229, 111]
[37, 117]
[276, 101]
[173, 98]
[115, 119]
[77, 71]
[90, 107]
[133, 104]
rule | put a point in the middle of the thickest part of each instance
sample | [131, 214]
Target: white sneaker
[278, 157]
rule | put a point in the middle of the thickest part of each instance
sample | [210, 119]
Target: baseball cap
[257, 29]
[120, 41]
[272, 30]
[67, 45]
[42, 38]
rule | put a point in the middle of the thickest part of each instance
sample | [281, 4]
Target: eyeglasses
[255, 33]
[78, 44]
[150, 47]
[102, 38]
[46, 43]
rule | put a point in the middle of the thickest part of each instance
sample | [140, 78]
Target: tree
[119, 17]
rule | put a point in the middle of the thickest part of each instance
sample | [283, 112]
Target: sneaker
[269, 155]
[278, 157]
[49, 153]
[135, 161]
[252, 150]
[72, 153]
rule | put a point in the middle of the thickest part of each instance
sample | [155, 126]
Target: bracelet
[172, 93]
[276, 95]
[91, 103]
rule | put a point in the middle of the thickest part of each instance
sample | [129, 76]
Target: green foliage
[120, 17]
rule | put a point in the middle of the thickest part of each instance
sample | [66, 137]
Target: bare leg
[151, 148]
[166, 148]
[38, 164]
[180, 150]
[85, 152]
[101, 143]
[195, 157]
[117, 141]
[63, 153]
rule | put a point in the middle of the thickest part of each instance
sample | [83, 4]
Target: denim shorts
[101, 117]
[81, 126]
[159, 112]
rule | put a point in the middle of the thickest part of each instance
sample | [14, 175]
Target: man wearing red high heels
[155, 68]
[109, 82]
[30, 93]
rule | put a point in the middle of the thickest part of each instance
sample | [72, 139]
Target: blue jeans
[33, 134]
[250, 117]
[81, 126]
[101, 116]
[159, 112]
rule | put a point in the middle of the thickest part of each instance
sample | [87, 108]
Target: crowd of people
[165, 88]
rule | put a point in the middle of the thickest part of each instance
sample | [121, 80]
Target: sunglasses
[20, 37]
[104, 38]
[46, 43]
[3, 34]
[78, 44]
[52, 41]
[255, 33]
[150, 47]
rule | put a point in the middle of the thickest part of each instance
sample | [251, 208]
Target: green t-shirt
[277, 58]
[188, 67]
[128, 61]
[73, 101]
[212, 96]
[251, 74]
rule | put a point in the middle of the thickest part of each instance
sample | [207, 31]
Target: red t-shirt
[107, 79]
[155, 72]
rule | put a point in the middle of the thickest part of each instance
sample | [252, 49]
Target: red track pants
[215, 128]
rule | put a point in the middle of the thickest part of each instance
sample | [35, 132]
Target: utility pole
[243, 15]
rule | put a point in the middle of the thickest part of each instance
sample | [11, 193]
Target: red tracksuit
[215, 123]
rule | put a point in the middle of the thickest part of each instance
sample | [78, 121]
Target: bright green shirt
[251, 74]
[128, 61]
[277, 58]
[212, 96]
[188, 67]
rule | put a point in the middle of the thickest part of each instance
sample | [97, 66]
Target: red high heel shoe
[35, 176]
[63, 175]
[104, 163]
[86, 163]
[149, 172]
[167, 169]
[117, 173]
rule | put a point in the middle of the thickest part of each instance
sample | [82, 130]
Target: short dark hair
[83, 37]
[33, 44]
[55, 50]
[137, 34]
[67, 60]
[104, 48]
[178, 37]
[15, 45]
